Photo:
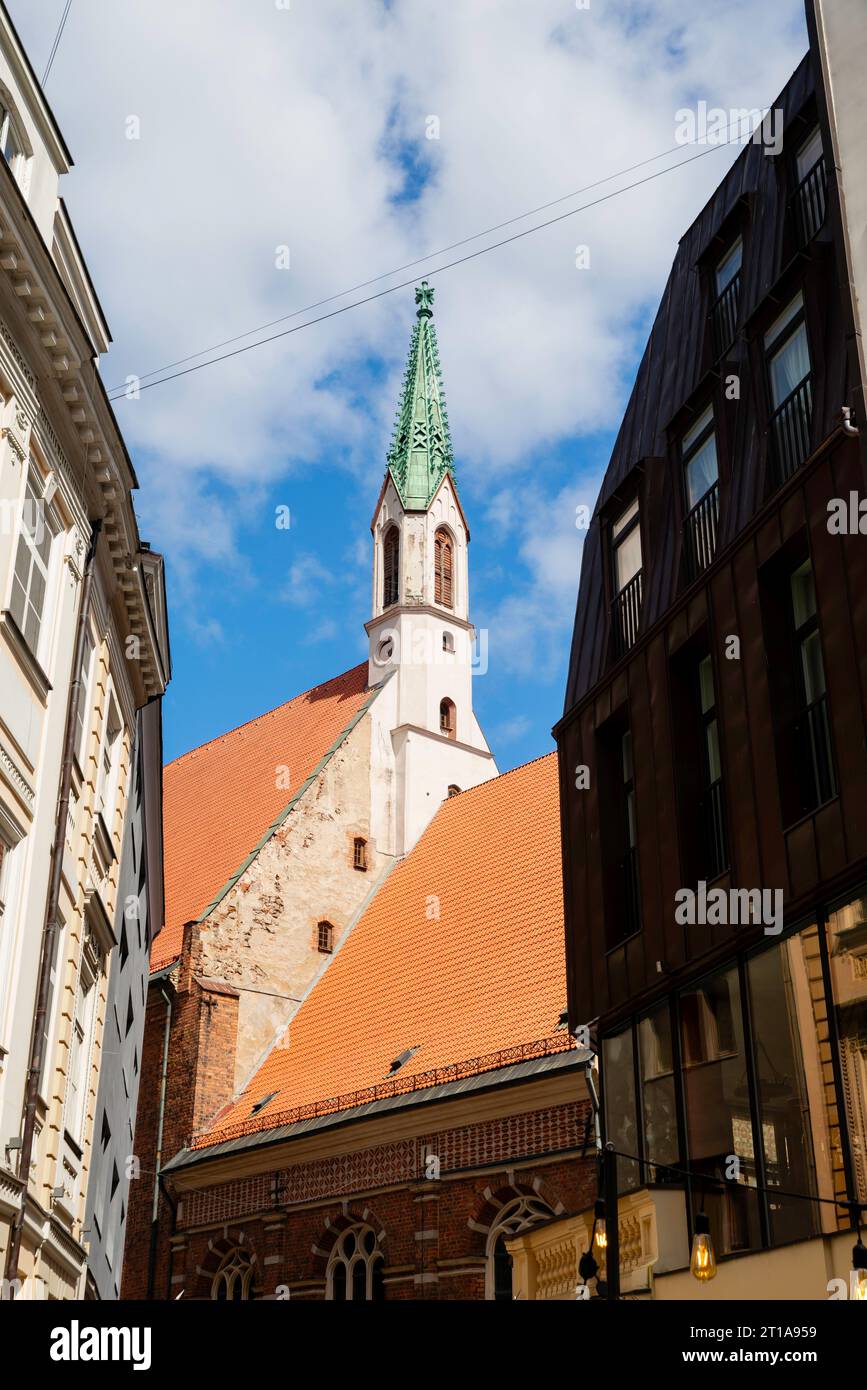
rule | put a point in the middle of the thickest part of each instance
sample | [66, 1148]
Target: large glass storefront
[756, 1073]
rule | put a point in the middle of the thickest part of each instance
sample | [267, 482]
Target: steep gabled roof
[421, 451]
[221, 800]
[456, 967]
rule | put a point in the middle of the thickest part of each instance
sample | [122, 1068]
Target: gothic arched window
[515, 1217]
[391, 567]
[448, 724]
[443, 568]
[355, 1268]
[233, 1281]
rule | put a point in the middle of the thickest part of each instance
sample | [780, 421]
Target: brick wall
[199, 1078]
[433, 1233]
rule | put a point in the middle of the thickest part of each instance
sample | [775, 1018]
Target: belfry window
[443, 591]
[447, 719]
[391, 567]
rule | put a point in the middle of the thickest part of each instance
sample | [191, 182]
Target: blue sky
[308, 128]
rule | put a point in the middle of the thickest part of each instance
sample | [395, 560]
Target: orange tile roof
[220, 800]
[488, 975]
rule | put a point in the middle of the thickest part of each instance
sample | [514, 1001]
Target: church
[356, 1077]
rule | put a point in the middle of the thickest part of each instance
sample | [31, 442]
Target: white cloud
[262, 127]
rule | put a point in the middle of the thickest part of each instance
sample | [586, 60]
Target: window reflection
[659, 1111]
[847, 948]
[718, 1121]
[620, 1116]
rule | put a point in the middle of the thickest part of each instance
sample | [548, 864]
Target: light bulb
[702, 1263]
[600, 1238]
[858, 1283]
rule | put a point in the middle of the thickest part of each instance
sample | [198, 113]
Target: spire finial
[424, 299]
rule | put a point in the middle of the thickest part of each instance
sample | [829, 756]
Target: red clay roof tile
[488, 973]
[221, 798]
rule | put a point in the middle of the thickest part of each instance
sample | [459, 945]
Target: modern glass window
[790, 377]
[658, 1099]
[698, 450]
[810, 199]
[701, 482]
[813, 729]
[727, 279]
[627, 572]
[717, 1108]
[847, 951]
[713, 809]
[781, 1095]
[621, 1116]
[809, 153]
[32, 560]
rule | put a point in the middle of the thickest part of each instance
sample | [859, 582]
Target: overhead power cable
[420, 260]
[57, 37]
[142, 383]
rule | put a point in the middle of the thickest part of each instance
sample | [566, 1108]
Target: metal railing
[715, 838]
[724, 315]
[810, 202]
[627, 614]
[385, 1090]
[699, 530]
[791, 426]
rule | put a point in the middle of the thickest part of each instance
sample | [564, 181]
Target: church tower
[421, 640]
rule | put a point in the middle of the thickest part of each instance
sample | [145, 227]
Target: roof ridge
[492, 781]
[245, 724]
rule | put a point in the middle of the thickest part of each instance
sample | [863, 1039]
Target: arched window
[443, 568]
[355, 1268]
[325, 933]
[513, 1218]
[447, 718]
[391, 567]
[233, 1281]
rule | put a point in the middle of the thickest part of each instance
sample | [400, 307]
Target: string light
[702, 1263]
[859, 1270]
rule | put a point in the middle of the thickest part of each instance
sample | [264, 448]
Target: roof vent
[402, 1060]
[260, 1104]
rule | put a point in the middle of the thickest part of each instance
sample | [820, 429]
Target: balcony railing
[700, 530]
[813, 750]
[810, 202]
[626, 614]
[791, 424]
[724, 316]
[715, 839]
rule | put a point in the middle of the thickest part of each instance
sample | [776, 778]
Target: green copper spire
[421, 451]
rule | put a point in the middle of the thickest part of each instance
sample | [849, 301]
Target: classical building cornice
[62, 392]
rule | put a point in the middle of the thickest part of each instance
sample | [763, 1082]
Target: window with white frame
[82, 721]
[11, 146]
[79, 1052]
[47, 1027]
[355, 1268]
[514, 1217]
[110, 763]
[30, 579]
